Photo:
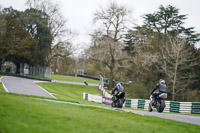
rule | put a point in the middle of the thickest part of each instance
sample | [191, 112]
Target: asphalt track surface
[28, 87]
[176, 117]
[24, 86]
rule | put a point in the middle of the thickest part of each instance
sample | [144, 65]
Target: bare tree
[115, 19]
[61, 50]
[180, 58]
[107, 49]
[109, 53]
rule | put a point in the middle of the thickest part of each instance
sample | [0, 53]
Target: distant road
[24, 86]
[76, 83]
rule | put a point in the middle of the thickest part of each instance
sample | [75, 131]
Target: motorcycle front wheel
[113, 104]
[162, 106]
[120, 103]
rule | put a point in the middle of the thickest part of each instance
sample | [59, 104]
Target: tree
[2, 35]
[59, 53]
[168, 21]
[115, 19]
[110, 54]
[181, 58]
[107, 49]
[142, 48]
[36, 23]
[18, 45]
[57, 25]
[56, 21]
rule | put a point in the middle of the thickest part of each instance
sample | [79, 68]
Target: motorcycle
[159, 103]
[118, 101]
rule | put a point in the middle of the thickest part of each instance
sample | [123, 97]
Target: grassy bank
[70, 92]
[32, 115]
[73, 79]
[26, 114]
[1, 87]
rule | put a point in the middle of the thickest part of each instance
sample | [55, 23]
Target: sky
[79, 13]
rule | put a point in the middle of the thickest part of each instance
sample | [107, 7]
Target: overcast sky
[80, 12]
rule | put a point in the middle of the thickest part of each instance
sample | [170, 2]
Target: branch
[100, 62]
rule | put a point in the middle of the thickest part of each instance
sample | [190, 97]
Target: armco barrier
[107, 100]
[134, 103]
[141, 103]
[167, 106]
[185, 107]
[174, 106]
[195, 109]
[93, 98]
[128, 103]
[105, 93]
[146, 106]
[171, 106]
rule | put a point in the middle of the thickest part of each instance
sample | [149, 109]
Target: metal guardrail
[171, 106]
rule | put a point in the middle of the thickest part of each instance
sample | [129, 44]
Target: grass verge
[1, 87]
[31, 115]
[69, 92]
[73, 79]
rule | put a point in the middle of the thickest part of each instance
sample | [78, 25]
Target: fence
[171, 106]
[92, 98]
[35, 71]
[101, 87]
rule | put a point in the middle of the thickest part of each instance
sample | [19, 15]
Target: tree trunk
[111, 79]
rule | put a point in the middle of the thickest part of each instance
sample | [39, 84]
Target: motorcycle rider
[160, 88]
[118, 91]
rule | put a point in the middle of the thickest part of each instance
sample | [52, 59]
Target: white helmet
[162, 81]
[118, 84]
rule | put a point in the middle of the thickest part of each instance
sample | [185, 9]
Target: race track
[24, 86]
[176, 117]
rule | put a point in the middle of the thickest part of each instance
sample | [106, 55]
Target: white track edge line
[4, 85]
[44, 89]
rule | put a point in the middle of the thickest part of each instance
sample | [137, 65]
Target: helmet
[162, 81]
[118, 84]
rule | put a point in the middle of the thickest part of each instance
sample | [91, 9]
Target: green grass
[31, 115]
[1, 87]
[73, 79]
[38, 77]
[70, 92]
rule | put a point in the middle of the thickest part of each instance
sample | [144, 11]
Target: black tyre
[150, 108]
[120, 103]
[162, 106]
